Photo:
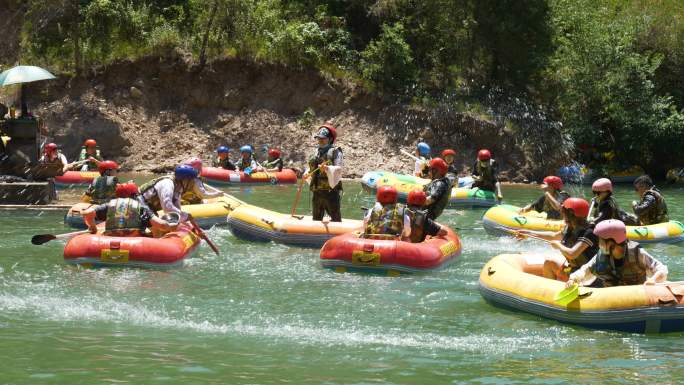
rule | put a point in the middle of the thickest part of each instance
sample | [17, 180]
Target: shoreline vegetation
[541, 82]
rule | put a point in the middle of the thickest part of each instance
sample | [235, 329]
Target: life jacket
[319, 181]
[103, 189]
[551, 212]
[153, 200]
[224, 163]
[388, 219]
[628, 271]
[275, 163]
[243, 163]
[486, 173]
[418, 218]
[84, 155]
[436, 208]
[656, 213]
[570, 238]
[123, 215]
[609, 205]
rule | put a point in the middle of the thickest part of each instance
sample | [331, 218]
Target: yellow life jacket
[388, 219]
[123, 214]
[319, 180]
[103, 189]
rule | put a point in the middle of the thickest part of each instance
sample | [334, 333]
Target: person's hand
[324, 168]
[634, 203]
[650, 281]
[555, 244]
[570, 283]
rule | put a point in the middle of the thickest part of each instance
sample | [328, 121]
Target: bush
[387, 62]
[164, 39]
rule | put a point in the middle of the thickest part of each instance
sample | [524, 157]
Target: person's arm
[92, 213]
[548, 235]
[434, 192]
[434, 229]
[647, 202]
[165, 191]
[582, 274]
[656, 270]
[200, 191]
[537, 205]
[418, 167]
[161, 225]
[552, 201]
[406, 230]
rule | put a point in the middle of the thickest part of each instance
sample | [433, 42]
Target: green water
[269, 314]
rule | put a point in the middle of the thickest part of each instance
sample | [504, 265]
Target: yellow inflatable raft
[257, 224]
[514, 281]
[211, 213]
[502, 219]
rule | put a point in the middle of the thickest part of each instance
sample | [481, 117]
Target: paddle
[271, 178]
[202, 235]
[514, 232]
[411, 156]
[44, 238]
[299, 190]
[591, 207]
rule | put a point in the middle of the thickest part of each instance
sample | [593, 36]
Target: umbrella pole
[24, 106]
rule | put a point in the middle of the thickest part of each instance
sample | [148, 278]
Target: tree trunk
[205, 38]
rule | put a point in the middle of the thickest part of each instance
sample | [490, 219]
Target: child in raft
[605, 206]
[449, 157]
[273, 163]
[549, 203]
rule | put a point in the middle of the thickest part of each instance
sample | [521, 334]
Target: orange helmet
[578, 206]
[90, 143]
[126, 190]
[553, 182]
[448, 152]
[484, 154]
[439, 164]
[417, 198]
[50, 147]
[386, 194]
[107, 165]
[327, 130]
[274, 152]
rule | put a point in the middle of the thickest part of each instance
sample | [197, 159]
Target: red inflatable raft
[97, 250]
[352, 252]
[76, 179]
[218, 175]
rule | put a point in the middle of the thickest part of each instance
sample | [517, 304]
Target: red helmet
[126, 190]
[195, 163]
[90, 143]
[484, 154]
[327, 130]
[578, 206]
[274, 152]
[107, 165]
[448, 152]
[439, 164]
[386, 194]
[50, 147]
[554, 182]
[417, 198]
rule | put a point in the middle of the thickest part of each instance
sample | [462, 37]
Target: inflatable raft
[499, 220]
[220, 176]
[257, 224]
[354, 252]
[97, 250]
[460, 197]
[72, 179]
[514, 281]
[211, 213]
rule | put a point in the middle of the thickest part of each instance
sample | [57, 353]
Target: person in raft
[438, 191]
[651, 207]
[90, 155]
[273, 163]
[52, 155]
[421, 168]
[576, 242]
[420, 225]
[198, 192]
[325, 171]
[222, 159]
[485, 173]
[125, 215]
[102, 188]
[165, 192]
[387, 216]
[604, 204]
[619, 262]
[247, 164]
[449, 157]
[549, 203]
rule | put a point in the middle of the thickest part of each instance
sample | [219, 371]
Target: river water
[269, 314]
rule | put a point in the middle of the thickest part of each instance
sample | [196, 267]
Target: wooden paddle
[299, 190]
[202, 235]
[44, 238]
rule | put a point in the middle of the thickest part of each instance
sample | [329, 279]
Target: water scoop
[567, 295]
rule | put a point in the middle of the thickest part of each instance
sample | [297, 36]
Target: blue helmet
[222, 150]
[185, 171]
[246, 148]
[423, 148]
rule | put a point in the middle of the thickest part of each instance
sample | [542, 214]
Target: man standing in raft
[549, 203]
[325, 170]
[125, 215]
[619, 262]
[485, 173]
[439, 189]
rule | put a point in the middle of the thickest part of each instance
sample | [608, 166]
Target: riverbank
[152, 113]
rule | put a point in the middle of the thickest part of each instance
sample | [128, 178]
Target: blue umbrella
[24, 74]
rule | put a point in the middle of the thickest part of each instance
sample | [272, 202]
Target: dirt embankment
[153, 113]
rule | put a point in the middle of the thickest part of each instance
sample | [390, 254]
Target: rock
[136, 93]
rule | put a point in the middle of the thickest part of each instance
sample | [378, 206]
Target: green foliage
[388, 61]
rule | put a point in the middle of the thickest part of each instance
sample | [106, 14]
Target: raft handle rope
[490, 272]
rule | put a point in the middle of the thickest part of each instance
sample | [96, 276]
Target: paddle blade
[42, 238]
[567, 295]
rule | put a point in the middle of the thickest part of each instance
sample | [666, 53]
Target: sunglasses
[596, 192]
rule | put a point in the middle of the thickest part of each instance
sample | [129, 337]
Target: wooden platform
[27, 193]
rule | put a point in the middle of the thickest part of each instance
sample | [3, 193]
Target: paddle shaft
[411, 155]
[202, 235]
[299, 190]
[44, 238]
[514, 232]
[591, 207]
